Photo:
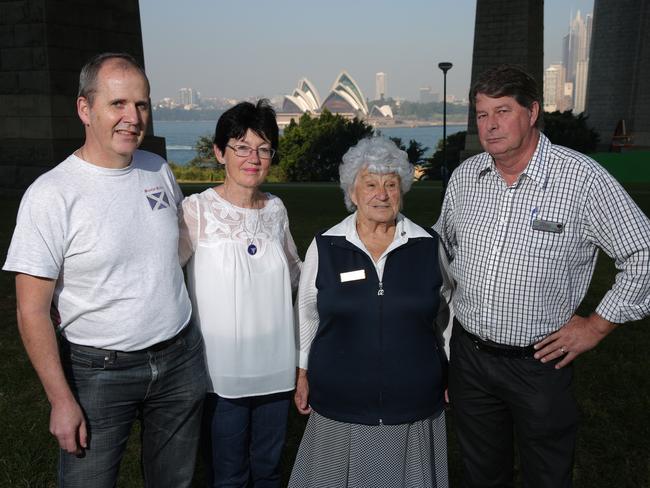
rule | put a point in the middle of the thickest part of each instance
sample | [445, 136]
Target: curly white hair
[377, 155]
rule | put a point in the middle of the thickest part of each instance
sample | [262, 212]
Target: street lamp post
[444, 66]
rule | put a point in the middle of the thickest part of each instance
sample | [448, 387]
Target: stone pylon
[506, 31]
[43, 45]
[618, 86]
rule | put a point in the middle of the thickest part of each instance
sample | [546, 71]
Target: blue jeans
[243, 440]
[162, 387]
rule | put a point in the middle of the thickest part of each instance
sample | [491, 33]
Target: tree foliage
[204, 152]
[312, 149]
[455, 144]
[569, 130]
[415, 150]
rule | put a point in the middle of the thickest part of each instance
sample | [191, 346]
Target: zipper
[380, 294]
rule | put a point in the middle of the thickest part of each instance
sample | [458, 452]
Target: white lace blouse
[242, 301]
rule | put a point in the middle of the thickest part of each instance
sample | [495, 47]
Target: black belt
[159, 346]
[167, 342]
[496, 349]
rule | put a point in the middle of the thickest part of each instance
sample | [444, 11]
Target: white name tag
[359, 274]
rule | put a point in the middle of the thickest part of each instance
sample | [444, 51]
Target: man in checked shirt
[522, 224]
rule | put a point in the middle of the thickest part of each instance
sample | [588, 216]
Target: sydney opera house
[344, 98]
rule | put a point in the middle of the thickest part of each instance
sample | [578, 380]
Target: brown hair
[508, 80]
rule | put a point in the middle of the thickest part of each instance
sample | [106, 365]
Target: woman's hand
[301, 396]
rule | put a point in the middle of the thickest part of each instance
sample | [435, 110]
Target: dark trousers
[163, 389]
[496, 400]
[243, 440]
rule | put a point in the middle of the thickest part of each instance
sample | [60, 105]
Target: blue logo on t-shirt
[158, 200]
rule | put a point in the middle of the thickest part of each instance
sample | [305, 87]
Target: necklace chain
[257, 224]
[252, 248]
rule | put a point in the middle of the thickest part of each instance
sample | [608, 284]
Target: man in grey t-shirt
[98, 236]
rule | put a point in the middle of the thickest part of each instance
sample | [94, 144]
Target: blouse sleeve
[307, 323]
[445, 318]
[291, 253]
[188, 225]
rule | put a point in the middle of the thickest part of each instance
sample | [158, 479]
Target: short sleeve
[38, 244]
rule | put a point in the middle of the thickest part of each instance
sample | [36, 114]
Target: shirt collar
[404, 230]
[536, 169]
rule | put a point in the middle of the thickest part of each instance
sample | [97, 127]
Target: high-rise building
[554, 77]
[188, 96]
[576, 58]
[580, 87]
[380, 86]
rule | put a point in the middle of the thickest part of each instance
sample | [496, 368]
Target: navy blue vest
[375, 357]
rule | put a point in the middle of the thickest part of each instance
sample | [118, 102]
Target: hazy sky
[257, 48]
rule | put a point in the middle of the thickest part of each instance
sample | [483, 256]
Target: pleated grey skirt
[340, 455]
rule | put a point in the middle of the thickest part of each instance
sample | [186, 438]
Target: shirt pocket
[547, 244]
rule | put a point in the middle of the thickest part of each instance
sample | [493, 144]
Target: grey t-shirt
[110, 239]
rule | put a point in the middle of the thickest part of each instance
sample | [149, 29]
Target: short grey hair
[90, 70]
[379, 156]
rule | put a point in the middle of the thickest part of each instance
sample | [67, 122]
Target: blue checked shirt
[522, 256]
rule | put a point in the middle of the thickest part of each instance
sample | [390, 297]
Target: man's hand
[578, 335]
[301, 397]
[68, 425]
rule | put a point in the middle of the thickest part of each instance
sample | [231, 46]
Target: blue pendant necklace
[252, 248]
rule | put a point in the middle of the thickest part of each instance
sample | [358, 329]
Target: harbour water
[181, 136]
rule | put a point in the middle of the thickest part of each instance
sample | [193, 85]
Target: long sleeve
[619, 227]
[445, 317]
[445, 226]
[293, 259]
[308, 320]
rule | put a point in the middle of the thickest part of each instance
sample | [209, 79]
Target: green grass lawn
[631, 166]
[612, 382]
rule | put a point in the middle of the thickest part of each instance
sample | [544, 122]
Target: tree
[414, 151]
[312, 149]
[455, 144]
[570, 130]
[204, 152]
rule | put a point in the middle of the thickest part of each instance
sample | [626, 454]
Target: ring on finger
[563, 350]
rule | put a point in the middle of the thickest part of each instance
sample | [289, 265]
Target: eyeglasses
[245, 151]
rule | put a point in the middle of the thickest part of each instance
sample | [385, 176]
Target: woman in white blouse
[242, 268]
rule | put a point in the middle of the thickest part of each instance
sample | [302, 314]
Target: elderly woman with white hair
[372, 370]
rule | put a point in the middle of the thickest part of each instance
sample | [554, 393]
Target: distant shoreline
[406, 124]
[410, 124]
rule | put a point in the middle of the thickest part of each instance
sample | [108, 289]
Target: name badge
[548, 226]
[359, 274]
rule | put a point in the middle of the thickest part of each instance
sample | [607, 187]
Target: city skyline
[222, 51]
[565, 83]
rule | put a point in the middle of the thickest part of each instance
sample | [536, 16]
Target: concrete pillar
[43, 45]
[618, 86]
[506, 31]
